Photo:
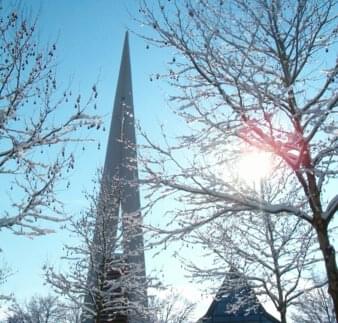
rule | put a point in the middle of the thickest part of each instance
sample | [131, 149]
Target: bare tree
[5, 272]
[73, 314]
[103, 295]
[171, 308]
[249, 75]
[315, 306]
[274, 256]
[37, 119]
[39, 309]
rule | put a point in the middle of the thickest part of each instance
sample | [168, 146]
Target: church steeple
[119, 129]
[119, 200]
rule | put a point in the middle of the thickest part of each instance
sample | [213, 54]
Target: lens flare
[254, 166]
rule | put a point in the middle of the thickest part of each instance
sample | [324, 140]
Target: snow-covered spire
[119, 200]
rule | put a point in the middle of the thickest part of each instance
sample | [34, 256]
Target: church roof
[236, 302]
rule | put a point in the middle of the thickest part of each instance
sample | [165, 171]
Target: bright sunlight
[254, 166]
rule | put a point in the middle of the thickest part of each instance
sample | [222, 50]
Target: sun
[254, 166]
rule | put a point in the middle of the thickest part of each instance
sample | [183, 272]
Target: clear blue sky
[89, 38]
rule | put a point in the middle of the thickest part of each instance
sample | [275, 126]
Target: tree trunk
[283, 315]
[329, 255]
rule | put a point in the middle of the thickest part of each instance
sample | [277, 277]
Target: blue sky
[89, 36]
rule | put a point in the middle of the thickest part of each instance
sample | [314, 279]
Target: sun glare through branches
[254, 166]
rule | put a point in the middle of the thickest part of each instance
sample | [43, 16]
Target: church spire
[119, 200]
[121, 171]
[122, 105]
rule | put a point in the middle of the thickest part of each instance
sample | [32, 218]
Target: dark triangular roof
[236, 302]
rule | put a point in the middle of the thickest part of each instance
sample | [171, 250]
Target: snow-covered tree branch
[315, 306]
[47, 309]
[248, 76]
[99, 276]
[37, 120]
[171, 307]
[275, 256]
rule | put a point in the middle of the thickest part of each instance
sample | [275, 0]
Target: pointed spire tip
[126, 36]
